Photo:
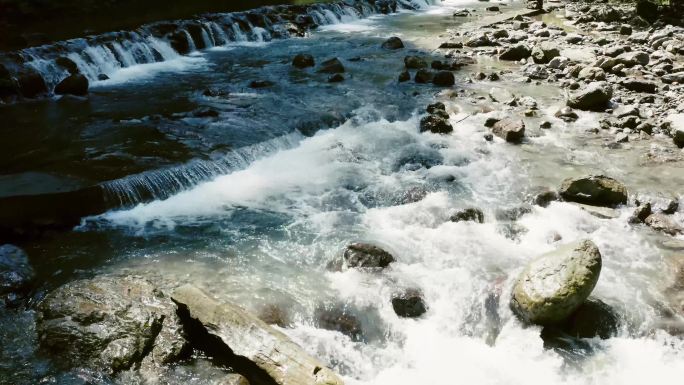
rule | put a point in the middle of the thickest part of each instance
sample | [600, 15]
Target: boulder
[409, 304]
[249, 337]
[647, 10]
[16, 273]
[31, 85]
[553, 286]
[423, 76]
[480, 39]
[675, 77]
[339, 319]
[415, 62]
[336, 78]
[517, 52]
[592, 73]
[393, 43]
[544, 52]
[365, 255]
[594, 97]
[469, 214]
[331, 66]
[434, 107]
[451, 45]
[303, 60]
[444, 79]
[632, 58]
[511, 130]
[110, 323]
[594, 318]
[67, 64]
[641, 213]
[404, 77]
[661, 222]
[595, 190]
[435, 124]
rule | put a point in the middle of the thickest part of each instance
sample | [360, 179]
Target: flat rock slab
[247, 336]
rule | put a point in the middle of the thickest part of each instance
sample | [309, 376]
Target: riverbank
[460, 146]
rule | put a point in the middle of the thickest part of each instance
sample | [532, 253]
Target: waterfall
[99, 57]
[163, 183]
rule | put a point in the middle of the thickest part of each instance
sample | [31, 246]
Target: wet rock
[16, 274]
[336, 78]
[260, 84]
[566, 114]
[110, 323]
[479, 39]
[625, 29]
[678, 137]
[515, 53]
[67, 64]
[461, 13]
[435, 124]
[661, 222]
[596, 190]
[677, 77]
[365, 255]
[594, 318]
[31, 85]
[434, 107]
[303, 60]
[545, 125]
[544, 52]
[536, 71]
[471, 214]
[502, 95]
[511, 130]
[404, 77]
[444, 79]
[451, 45]
[639, 85]
[423, 76]
[275, 315]
[598, 212]
[647, 10]
[179, 42]
[553, 286]
[641, 213]
[102, 77]
[339, 319]
[414, 62]
[594, 97]
[247, 336]
[393, 43]
[331, 66]
[409, 304]
[493, 8]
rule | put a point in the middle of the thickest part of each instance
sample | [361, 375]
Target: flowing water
[253, 202]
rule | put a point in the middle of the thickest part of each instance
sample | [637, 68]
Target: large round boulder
[553, 286]
[596, 190]
[73, 85]
[110, 323]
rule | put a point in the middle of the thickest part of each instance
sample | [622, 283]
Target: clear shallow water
[262, 233]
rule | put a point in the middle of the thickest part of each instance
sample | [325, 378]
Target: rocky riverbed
[521, 225]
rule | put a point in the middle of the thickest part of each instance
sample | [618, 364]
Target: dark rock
[490, 122]
[480, 39]
[102, 77]
[641, 213]
[423, 76]
[678, 137]
[640, 85]
[544, 52]
[493, 77]
[404, 77]
[16, 274]
[435, 124]
[451, 45]
[393, 43]
[409, 304]
[67, 64]
[336, 78]
[647, 10]
[179, 42]
[595, 190]
[625, 29]
[364, 255]
[544, 198]
[594, 318]
[73, 85]
[432, 108]
[594, 97]
[510, 129]
[31, 85]
[303, 60]
[672, 78]
[470, 214]
[110, 323]
[545, 125]
[205, 112]
[414, 62]
[444, 79]
[517, 52]
[331, 66]
[339, 319]
[492, 9]
[260, 84]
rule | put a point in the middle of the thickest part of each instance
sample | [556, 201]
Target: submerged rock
[555, 284]
[444, 79]
[365, 255]
[596, 190]
[594, 97]
[331, 66]
[469, 214]
[510, 129]
[393, 43]
[593, 318]
[341, 320]
[16, 273]
[423, 76]
[435, 124]
[409, 304]
[110, 323]
[303, 60]
[249, 337]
